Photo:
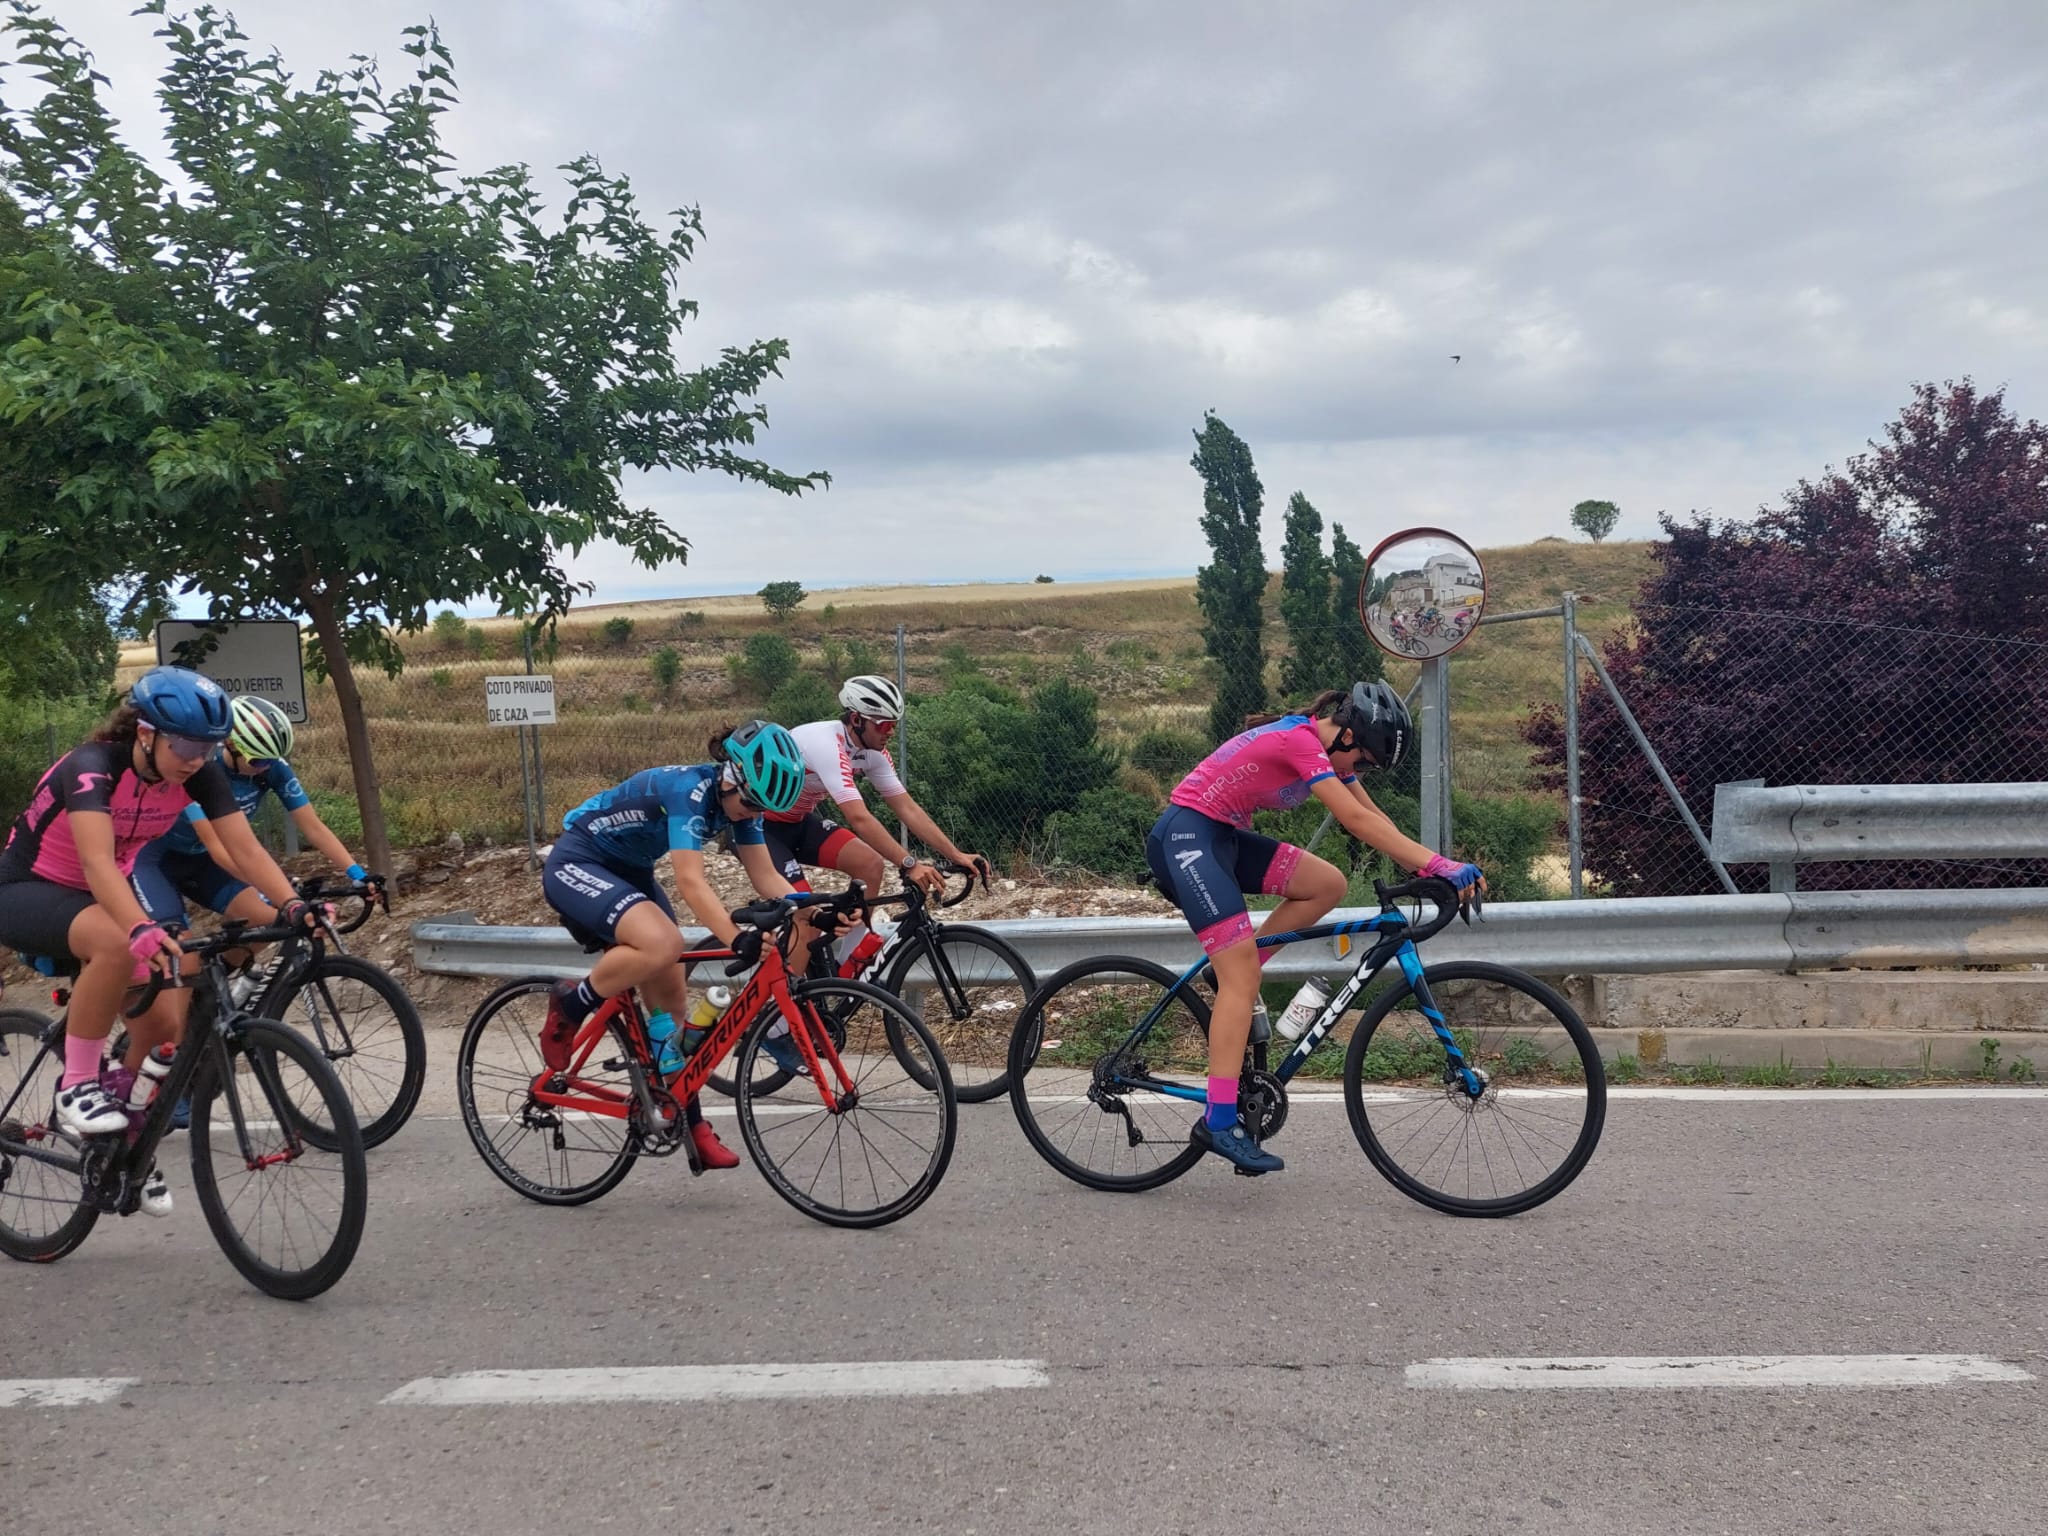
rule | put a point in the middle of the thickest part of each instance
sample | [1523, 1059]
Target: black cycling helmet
[183, 702]
[1376, 719]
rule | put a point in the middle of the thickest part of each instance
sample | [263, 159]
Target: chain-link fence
[1047, 735]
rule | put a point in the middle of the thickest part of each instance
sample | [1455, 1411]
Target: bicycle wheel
[43, 1210]
[288, 1214]
[1523, 1138]
[877, 1157]
[969, 987]
[1079, 1084]
[369, 1031]
[554, 1156]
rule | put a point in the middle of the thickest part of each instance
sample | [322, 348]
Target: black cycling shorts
[592, 895]
[813, 841]
[36, 917]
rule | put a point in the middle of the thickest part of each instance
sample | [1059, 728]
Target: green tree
[1232, 585]
[57, 649]
[1595, 519]
[782, 598]
[1358, 659]
[1311, 663]
[668, 666]
[310, 370]
[766, 663]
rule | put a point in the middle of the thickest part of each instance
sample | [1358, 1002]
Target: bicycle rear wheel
[1523, 1138]
[880, 1153]
[969, 987]
[288, 1214]
[367, 1027]
[1091, 1100]
[554, 1156]
[43, 1210]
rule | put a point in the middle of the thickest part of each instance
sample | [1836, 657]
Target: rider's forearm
[321, 836]
[253, 862]
[704, 905]
[1373, 827]
[867, 826]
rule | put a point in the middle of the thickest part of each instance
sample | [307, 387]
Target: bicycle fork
[1458, 1072]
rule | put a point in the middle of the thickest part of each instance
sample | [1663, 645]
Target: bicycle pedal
[1247, 1173]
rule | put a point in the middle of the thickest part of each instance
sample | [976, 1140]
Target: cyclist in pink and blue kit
[1205, 856]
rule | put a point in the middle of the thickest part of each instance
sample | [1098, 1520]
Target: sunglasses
[190, 748]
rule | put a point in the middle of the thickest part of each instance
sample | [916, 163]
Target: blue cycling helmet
[769, 764]
[183, 702]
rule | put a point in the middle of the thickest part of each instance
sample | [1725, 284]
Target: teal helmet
[765, 759]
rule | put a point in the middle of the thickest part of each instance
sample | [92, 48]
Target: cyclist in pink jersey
[64, 888]
[1204, 856]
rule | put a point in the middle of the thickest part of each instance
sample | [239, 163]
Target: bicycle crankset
[664, 1133]
[1261, 1103]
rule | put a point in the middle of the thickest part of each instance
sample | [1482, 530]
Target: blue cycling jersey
[276, 778]
[657, 811]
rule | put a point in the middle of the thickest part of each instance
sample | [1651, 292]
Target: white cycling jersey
[832, 761]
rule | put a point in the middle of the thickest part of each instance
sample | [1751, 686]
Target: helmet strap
[147, 771]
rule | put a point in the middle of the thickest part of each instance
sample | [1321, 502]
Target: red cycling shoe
[712, 1152]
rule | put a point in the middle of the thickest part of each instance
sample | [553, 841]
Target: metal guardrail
[1789, 931]
[1797, 824]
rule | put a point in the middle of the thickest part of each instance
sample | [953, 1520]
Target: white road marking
[1570, 1372]
[724, 1383]
[63, 1391]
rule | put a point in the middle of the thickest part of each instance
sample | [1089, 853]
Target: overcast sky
[1688, 253]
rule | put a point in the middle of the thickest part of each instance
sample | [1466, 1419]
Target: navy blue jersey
[657, 811]
[276, 778]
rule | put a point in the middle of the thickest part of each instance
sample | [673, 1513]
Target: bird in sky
[1457, 357]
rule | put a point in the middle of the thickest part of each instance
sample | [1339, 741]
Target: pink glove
[1463, 876]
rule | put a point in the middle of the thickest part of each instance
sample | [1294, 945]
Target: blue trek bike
[1473, 1087]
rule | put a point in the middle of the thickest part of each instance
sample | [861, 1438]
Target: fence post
[903, 727]
[532, 789]
[1657, 764]
[1575, 851]
[50, 733]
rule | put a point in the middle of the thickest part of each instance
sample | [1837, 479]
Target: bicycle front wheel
[551, 1155]
[970, 988]
[1106, 1110]
[43, 1210]
[370, 1032]
[874, 1154]
[1508, 1148]
[287, 1213]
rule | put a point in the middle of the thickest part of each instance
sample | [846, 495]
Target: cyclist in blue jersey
[600, 877]
[189, 862]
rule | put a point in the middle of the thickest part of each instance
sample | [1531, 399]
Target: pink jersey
[98, 778]
[830, 764]
[1268, 768]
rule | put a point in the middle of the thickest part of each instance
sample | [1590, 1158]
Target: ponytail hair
[119, 729]
[716, 745]
[1321, 707]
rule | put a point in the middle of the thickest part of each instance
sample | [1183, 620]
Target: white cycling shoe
[87, 1109]
[156, 1194]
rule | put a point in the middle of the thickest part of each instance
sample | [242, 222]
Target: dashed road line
[1581, 1372]
[63, 1391]
[722, 1383]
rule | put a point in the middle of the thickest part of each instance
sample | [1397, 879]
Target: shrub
[1166, 755]
[441, 678]
[765, 663]
[617, 631]
[1044, 581]
[802, 699]
[829, 612]
[1105, 832]
[693, 619]
[782, 598]
[448, 628]
[835, 658]
[668, 666]
[343, 816]
[1504, 837]
[633, 704]
[861, 658]
[476, 640]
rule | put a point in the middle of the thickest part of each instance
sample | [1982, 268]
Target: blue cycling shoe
[181, 1114]
[782, 1050]
[1235, 1146]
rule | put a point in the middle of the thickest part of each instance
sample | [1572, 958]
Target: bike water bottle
[710, 1005]
[156, 1066]
[1302, 1011]
[854, 947]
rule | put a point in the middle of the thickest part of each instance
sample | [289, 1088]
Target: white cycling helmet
[874, 697]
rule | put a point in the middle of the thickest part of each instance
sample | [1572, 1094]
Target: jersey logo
[85, 781]
[1185, 859]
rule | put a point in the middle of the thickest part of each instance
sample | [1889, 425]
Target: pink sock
[1223, 1090]
[81, 1060]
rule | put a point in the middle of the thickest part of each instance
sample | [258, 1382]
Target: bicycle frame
[1393, 944]
[769, 985]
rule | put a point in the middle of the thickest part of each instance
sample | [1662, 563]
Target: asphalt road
[1224, 1355]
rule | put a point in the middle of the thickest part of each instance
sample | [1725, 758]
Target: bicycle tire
[380, 1116]
[509, 1061]
[21, 1042]
[1372, 1137]
[265, 1044]
[1077, 996]
[871, 1054]
[973, 1089]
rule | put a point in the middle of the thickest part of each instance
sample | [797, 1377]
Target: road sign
[259, 656]
[520, 699]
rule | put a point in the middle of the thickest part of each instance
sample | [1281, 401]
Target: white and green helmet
[261, 732]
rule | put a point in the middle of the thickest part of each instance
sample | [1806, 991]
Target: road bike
[277, 1156]
[966, 983]
[1473, 1087]
[863, 1140]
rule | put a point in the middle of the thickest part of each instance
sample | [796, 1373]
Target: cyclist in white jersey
[836, 754]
